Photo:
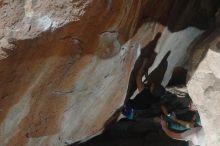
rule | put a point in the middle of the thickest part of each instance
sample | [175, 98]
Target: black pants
[143, 100]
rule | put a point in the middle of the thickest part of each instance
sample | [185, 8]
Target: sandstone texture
[61, 84]
[65, 65]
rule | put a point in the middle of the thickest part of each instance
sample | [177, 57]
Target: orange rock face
[52, 82]
[65, 66]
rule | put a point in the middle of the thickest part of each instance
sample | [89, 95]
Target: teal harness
[174, 126]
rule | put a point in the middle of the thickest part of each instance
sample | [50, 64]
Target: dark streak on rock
[4, 96]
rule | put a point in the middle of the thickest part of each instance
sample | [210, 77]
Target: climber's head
[157, 90]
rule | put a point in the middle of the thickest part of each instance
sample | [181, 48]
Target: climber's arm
[170, 133]
[139, 82]
[184, 123]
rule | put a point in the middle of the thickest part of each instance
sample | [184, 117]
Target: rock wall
[204, 83]
[61, 84]
[65, 65]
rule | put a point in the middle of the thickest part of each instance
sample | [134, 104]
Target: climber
[183, 124]
[148, 95]
[141, 66]
[181, 119]
[147, 53]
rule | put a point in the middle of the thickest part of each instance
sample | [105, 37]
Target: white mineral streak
[45, 23]
[9, 126]
[177, 43]
[28, 8]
